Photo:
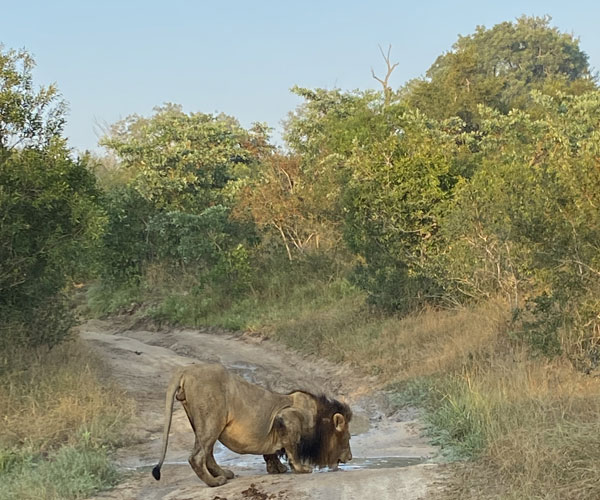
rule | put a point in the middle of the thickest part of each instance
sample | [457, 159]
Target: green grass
[69, 472]
[103, 299]
[278, 294]
[454, 417]
[528, 428]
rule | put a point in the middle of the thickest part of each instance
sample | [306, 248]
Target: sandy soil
[390, 459]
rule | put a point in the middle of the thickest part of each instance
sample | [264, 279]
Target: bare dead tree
[387, 91]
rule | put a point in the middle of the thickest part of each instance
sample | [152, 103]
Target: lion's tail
[174, 386]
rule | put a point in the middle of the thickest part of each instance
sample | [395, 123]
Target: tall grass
[540, 423]
[60, 420]
[529, 425]
[532, 425]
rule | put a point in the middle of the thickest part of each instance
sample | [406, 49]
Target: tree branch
[387, 91]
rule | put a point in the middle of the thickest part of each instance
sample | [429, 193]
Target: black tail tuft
[156, 472]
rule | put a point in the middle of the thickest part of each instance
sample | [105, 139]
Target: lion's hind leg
[199, 460]
[215, 469]
[207, 426]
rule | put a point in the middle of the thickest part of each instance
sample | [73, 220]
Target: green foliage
[50, 217]
[529, 214]
[173, 207]
[124, 247]
[498, 67]
[540, 328]
[50, 221]
[455, 416]
[332, 122]
[324, 132]
[415, 392]
[397, 195]
[189, 238]
[383, 174]
[182, 161]
[28, 118]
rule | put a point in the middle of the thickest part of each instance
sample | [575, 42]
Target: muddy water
[381, 463]
[255, 464]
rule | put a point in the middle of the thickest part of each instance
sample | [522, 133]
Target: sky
[111, 59]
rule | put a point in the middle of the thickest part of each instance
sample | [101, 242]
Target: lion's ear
[339, 421]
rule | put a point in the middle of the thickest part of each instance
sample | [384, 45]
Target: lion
[311, 431]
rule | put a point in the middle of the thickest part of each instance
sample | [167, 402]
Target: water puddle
[257, 464]
[358, 463]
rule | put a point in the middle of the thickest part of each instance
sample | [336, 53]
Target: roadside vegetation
[61, 419]
[444, 236]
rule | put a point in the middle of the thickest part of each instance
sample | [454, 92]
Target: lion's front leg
[291, 425]
[274, 465]
[298, 466]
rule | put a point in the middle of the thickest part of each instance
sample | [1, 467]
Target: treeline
[478, 180]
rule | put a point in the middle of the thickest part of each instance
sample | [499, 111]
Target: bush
[124, 246]
[48, 324]
[50, 220]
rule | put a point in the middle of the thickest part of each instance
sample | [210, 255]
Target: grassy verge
[179, 298]
[59, 424]
[538, 425]
[529, 426]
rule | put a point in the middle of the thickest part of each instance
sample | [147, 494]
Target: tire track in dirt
[142, 361]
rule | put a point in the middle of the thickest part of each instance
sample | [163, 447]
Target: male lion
[310, 430]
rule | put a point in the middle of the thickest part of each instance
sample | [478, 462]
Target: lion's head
[328, 443]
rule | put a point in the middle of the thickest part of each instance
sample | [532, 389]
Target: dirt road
[388, 453]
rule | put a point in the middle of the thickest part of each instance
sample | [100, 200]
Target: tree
[385, 81]
[282, 201]
[381, 175]
[174, 206]
[527, 224]
[499, 67]
[182, 161]
[397, 195]
[50, 218]
[28, 118]
[323, 134]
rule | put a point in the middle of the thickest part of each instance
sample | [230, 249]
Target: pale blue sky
[114, 58]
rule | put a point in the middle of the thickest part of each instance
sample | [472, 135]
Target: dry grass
[51, 398]
[542, 428]
[433, 342]
[422, 344]
[58, 424]
[532, 424]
